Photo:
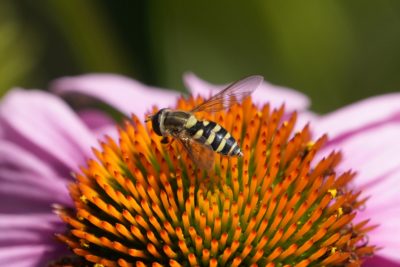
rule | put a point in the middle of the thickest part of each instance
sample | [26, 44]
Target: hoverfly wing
[232, 94]
[201, 154]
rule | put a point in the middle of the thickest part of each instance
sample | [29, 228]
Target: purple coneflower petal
[15, 157]
[28, 240]
[42, 141]
[304, 117]
[99, 123]
[276, 95]
[46, 124]
[124, 94]
[360, 116]
[27, 184]
[95, 119]
[380, 261]
[25, 256]
[26, 193]
[373, 153]
[38, 225]
[384, 207]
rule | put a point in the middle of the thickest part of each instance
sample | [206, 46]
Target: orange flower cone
[143, 203]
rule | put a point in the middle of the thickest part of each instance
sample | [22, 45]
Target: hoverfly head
[156, 121]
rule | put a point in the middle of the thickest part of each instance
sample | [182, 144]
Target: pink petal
[2, 133]
[384, 192]
[267, 92]
[372, 153]
[26, 193]
[101, 124]
[18, 158]
[28, 239]
[383, 208]
[21, 256]
[380, 261]
[303, 118]
[124, 94]
[11, 225]
[364, 114]
[45, 123]
[385, 235]
[95, 119]
[107, 131]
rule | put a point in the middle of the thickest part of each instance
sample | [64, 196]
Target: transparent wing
[201, 154]
[232, 94]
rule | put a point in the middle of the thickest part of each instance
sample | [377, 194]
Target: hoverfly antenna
[148, 118]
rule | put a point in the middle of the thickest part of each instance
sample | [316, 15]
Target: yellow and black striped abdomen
[213, 135]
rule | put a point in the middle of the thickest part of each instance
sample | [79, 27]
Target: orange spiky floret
[143, 203]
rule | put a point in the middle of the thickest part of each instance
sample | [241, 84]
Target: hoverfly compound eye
[155, 121]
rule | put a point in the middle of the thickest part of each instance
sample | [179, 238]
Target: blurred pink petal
[305, 117]
[383, 208]
[28, 255]
[360, 116]
[40, 222]
[276, 95]
[380, 262]
[48, 124]
[24, 192]
[373, 153]
[99, 123]
[126, 95]
[16, 157]
[28, 240]
[95, 119]
[42, 141]
[19, 183]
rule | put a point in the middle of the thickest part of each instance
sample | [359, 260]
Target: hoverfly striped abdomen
[213, 135]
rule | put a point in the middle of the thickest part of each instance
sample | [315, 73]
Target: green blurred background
[334, 51]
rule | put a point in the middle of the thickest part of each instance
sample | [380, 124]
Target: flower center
[143, 203]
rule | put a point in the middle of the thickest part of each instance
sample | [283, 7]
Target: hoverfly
[201, 138]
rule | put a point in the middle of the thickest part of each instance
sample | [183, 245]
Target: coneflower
[144, 203]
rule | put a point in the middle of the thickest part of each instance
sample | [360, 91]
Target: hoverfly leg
[166, 141]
